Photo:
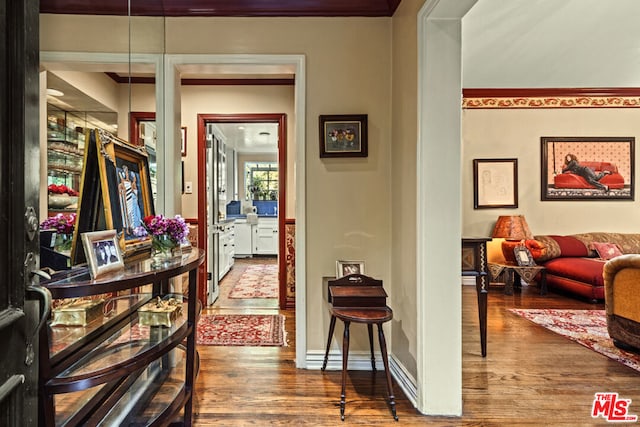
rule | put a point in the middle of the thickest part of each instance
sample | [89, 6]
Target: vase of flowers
[63, 226]
[167, 236]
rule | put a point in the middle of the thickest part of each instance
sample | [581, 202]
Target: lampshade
[514, 229]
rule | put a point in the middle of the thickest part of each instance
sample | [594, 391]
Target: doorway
[242, 192]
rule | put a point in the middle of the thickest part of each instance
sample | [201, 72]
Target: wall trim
[404, 380]
[502, 98]
[266, 81]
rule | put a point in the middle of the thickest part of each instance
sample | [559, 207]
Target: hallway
[239, 268]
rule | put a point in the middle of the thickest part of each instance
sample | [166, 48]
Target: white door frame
[173, 63]
[439, 354]
[167, 93]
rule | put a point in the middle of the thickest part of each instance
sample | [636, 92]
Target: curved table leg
[332, 326]
[385, 360]
[345, 358]
[373, 358]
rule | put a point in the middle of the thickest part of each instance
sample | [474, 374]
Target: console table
[114, 370]
[474, 264]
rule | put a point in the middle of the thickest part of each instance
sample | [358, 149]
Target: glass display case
[65, 149]
[65, 152]
[116, 368]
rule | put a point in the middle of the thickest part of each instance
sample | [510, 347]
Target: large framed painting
[116, 193]
[495, 183]
[587, 168]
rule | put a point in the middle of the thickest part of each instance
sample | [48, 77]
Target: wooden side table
[368, 316]
[474, 264]
[515, 274]
[360, 299]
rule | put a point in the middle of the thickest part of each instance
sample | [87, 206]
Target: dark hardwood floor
[530, 377]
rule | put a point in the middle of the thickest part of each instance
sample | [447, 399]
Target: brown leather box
[358, 296]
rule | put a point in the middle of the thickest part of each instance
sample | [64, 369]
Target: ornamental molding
[551, 98]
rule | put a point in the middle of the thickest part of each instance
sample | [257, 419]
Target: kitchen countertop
[234, 217]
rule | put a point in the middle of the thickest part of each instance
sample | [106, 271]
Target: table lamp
[514, 229]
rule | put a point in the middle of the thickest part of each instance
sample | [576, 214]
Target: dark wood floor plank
[530, 377]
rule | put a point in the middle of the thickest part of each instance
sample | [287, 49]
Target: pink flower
[63, 224]
[157, 225]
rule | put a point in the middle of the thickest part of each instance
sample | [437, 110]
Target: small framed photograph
[523, 256]
[495, 183]
[102, 251]
[183, 140]
[345, 268]
[343, 136]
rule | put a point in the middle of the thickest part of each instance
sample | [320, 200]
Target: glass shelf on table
[68, 405]
[119, 354]
[65, 339]
[152, 393]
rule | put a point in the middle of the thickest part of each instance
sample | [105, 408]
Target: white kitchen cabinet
[265, 237]
[226, 247]
[243, 239]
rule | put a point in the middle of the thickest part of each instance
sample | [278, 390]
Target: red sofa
[572, 263]
[571, 180]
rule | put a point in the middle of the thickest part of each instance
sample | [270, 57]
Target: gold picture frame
[102, 251]
[116, 193]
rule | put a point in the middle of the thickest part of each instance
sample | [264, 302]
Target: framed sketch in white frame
[103, 253]
[344, 268]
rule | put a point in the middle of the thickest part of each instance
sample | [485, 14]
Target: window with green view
[261, 180]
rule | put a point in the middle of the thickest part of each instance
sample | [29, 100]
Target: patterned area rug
[587, 327]
[257, 281]
[242, 330]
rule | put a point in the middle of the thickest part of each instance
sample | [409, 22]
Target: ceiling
[251, 137]
[263, 8]
[71, 99]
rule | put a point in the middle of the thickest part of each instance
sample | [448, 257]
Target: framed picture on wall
[343, 136]
[183, 140]
[495, 183]
[587, 168]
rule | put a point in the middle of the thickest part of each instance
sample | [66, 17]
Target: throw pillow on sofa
[606, 250]
[537, 249]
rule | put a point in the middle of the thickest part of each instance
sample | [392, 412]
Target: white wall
[551, 43]
[234, 100]
[348, 71]
[515, 133]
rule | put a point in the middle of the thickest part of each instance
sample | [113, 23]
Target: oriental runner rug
[242, 330]
[257, 281]
[587, 327]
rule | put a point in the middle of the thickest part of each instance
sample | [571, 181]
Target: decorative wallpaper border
[551, 98]
[290, 260]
